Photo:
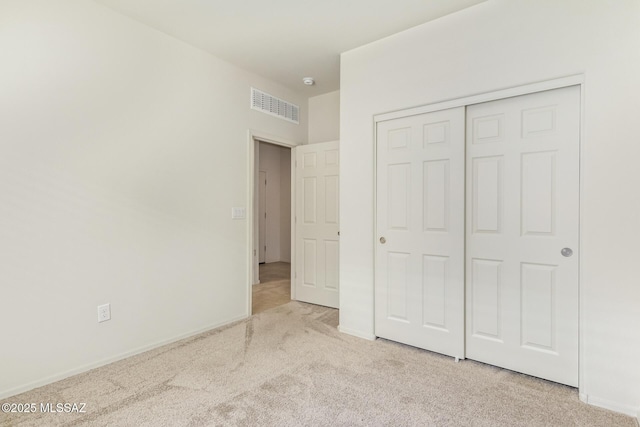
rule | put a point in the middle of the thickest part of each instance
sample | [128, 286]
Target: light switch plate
[238, 213]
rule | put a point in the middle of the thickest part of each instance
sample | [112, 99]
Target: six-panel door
[514, 273]
[522, 210]
[419, 281]
[316, 223]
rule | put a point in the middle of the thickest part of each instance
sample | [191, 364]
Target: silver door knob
[566, 252]
[383, 240]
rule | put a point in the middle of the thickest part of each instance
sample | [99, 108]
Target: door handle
[566, 252]
[383, 240]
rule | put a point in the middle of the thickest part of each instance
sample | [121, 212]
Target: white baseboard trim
[358, 334]
[93, 365]
[632, 411]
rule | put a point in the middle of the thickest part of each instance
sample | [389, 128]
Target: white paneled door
[522, 233]
[419, 279]
[486, 270]
[316, 223]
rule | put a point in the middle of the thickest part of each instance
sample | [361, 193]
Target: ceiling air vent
[269, 104]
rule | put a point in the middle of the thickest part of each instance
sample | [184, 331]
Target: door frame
[254, 137]
[557, 83]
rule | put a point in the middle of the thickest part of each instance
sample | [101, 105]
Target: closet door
[522, 233]
[419, 273]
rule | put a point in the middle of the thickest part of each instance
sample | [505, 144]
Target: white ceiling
[285, 40]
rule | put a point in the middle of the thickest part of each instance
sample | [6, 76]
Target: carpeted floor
[289, 366]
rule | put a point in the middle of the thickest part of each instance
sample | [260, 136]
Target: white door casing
[522, 210]
[316, 223]
[419, 273]
[262, 216]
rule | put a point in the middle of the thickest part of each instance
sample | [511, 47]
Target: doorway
[273, 188]
[312, 226]
[487, 271]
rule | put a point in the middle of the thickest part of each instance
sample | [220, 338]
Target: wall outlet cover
[104, 312]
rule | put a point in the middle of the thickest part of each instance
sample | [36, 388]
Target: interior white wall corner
[270, 163]
[285, 204]
[494, 45]
[324, 117]
[122, 152]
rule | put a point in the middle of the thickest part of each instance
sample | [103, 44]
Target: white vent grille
[269, 104]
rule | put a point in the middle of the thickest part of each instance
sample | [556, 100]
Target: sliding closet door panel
[522, 210]
[419, 288]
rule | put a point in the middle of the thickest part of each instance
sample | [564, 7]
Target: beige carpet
[289, 366]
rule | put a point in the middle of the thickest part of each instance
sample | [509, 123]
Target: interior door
[262, 217]
[522, 233]
[316, 223]
[419, 273]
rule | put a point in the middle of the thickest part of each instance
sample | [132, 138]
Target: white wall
[122, 151]
[324, 117]
[275, 161]
[501, 44]
[285, 205]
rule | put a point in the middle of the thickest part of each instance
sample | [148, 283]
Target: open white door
[316, 223]
[419, 273]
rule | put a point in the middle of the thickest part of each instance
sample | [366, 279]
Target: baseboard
[358, 334]
[89, 366]
[632, 411]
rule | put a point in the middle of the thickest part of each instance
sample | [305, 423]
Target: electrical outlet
[104, 312]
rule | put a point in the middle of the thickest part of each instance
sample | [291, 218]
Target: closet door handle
[566, 252]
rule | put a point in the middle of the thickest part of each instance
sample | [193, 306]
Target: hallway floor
[274, 288]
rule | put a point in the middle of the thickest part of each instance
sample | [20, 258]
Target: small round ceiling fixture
[308, 81]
